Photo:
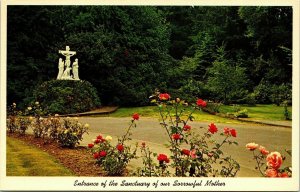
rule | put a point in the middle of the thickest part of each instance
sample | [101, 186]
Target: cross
[67, 53]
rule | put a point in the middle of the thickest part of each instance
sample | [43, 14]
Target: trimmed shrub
[66, 96]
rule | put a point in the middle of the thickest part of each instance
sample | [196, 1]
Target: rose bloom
[176, 136]
[212, 128]
[193, 153]
[226, 130]
[99, 137]
[136, 116]
[102, 153]
[201, 103]
[263, 150]
[186, 127]
[163, 157]
[97, 141]
[86, 125]
[271, 173]
[274, 160]
[284, 175]
[143, 144]
[29, 108]
[120, 147]
[108, 138]
[164, 96]
[96, 155]
[90, 145]
[233, 132]
[185, 152]
[251, 146]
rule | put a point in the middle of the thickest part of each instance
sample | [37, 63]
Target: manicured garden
[192, 154]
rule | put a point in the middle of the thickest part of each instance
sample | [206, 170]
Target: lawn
[259, 112]
[153, 111]
[27, 160]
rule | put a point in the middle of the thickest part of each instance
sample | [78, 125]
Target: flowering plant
[269, 163]
[114, 158]
[71, 132]
[150, 167]
[201, 158]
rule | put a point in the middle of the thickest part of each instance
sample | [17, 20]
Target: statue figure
[68, 54]
[67, 72]
[61, 66]
[75, 70]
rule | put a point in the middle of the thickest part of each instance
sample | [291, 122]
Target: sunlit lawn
[153, 111]
[26, 160]
[259, 112]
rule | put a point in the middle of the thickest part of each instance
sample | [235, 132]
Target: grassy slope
[26, 160]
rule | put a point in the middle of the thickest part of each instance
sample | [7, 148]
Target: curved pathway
[149, 130]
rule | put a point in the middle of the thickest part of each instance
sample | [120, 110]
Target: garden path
[149, 130]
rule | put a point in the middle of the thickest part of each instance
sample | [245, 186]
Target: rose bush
[269, 163]
[201, 158]
[114, 158]
[71, 132]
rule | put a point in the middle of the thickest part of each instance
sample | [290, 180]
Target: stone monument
[65, 70]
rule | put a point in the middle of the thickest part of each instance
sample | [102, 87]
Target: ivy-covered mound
[66, 96]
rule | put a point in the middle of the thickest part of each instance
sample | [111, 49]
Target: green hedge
[66, 96]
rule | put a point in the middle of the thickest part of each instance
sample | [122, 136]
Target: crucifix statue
[65, 68]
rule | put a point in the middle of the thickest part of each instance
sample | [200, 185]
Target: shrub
[114, 158]
[66, 96]
[269, 163]
[192, 154]
[71, 132]
[241, 113]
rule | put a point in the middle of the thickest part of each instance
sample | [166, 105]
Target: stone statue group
[65, 70]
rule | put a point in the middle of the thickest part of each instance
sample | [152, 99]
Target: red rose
[96, 155]
[233, 132]
[186, 127]
[143, 144]
[136, 116]
[164, 96]
[97, 141]
[274, 160]
[120, 147]
[271, 173]
[102, 153]
[212, 128]
[176, 136]
[163, 157]
[91, 145]
[185, 152]
[226, 130]
[284, 174]
[99, 137]
[201, 103]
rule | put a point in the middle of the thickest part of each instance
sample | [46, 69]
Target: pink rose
[274, 160]
[251, 146]
[271, 173]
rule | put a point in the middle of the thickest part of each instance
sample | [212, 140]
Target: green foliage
[226, 81]
[71, 132]
[65, 96]
[128, 51]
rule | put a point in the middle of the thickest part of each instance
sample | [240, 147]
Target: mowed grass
[153, 111]
[260, 112]
[26, 160]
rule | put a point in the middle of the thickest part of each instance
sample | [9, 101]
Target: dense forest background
[225, 54]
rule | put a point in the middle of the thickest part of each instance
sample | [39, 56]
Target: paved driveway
[149, 130]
